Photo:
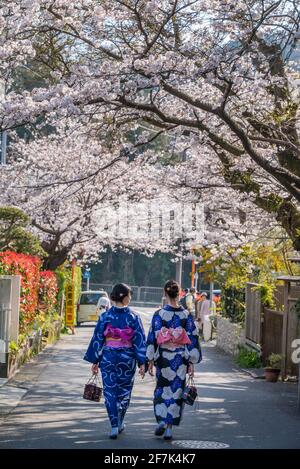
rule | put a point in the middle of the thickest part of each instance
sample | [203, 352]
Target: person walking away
[182, 300]
[103, 305]
[203, 296]
[198, 301]
[117, 346]
[190, 301]
[173, 348]
[206, 310]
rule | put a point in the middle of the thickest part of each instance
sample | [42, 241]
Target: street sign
[87, 274]
[70, 305]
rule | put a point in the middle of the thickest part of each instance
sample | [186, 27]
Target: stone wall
[229, 335]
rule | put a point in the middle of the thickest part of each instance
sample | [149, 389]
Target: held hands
[95, 369]
[142, 371]
[150, 367]
[190, 370]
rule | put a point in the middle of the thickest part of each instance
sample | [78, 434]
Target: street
[233, 409]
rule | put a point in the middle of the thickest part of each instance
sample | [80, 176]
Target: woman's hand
[150, 367]
[190, 370]
[142, 371]
[95, 369]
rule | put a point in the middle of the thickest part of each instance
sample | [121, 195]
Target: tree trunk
[55, 259]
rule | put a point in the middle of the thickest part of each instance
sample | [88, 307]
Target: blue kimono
[171, 361]
[117, 355]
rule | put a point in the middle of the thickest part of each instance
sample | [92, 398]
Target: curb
[256, 373]
[10, 397]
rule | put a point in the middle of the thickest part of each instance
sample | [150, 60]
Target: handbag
[190, 392]
[92, 389]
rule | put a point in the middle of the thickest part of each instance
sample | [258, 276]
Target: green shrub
[248, 358]
[233, 304]
[275, 360]
[64, 275]
[13, 348]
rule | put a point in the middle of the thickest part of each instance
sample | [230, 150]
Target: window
[90, 298]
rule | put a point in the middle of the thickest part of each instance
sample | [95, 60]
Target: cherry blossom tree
[69, 184]
[216, 75]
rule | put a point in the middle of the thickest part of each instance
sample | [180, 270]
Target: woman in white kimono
[173, 347]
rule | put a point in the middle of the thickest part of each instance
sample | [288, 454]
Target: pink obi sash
[173, 337]
[116, 338]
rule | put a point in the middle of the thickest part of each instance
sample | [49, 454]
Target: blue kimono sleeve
[95, 347]
[194, 349]
[139, 342]
[152, 346]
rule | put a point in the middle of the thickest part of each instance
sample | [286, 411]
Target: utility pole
[88, 276]
[179, 266]
[73, 286]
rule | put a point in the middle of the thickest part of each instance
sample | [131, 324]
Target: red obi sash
[173, 337]
[116, 338]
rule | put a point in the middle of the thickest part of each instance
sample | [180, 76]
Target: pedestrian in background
[117, 346]
[190, 301]
[206, 309]
[182, 298]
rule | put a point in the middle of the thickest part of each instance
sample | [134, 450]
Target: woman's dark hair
[172, 288]
[119, 291]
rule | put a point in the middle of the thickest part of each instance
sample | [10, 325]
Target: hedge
[39, 289]
[28, 267]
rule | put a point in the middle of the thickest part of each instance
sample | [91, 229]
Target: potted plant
[273, 369]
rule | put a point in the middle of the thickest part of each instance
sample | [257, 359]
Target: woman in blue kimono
[173, 347]
[118, 344]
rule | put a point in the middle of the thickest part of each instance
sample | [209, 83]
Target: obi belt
[117, 338]
[173, 337]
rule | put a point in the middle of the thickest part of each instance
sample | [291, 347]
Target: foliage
[39, 290]
[208, 264]
[13, 348]
[255, 263]
[48, 292]
[77, 283]
[274, 360]
[233, 304]
[14, 234]
[64, 276]
[28, 267]
[266, 294]
[248, 358]
[220, 97]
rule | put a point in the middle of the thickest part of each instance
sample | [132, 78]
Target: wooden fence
[271, 332]
[253, 319]
[274, 329]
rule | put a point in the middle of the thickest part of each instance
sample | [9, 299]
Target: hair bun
[172, 288]
[119, 292]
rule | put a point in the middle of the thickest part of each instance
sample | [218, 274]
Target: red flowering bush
[28, 267]
[48, 292]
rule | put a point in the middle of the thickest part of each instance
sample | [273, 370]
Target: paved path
[233, 407]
